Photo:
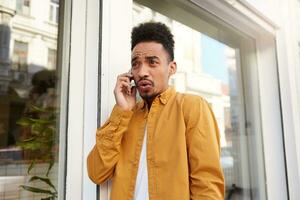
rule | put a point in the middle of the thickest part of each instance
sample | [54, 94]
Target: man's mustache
[144, 79]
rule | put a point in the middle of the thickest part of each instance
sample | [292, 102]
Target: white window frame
[82, 95]
[83, 82]
[116, 32]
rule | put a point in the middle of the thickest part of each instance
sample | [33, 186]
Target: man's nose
[144, 70]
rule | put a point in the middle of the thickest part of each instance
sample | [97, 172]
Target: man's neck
[149, 102]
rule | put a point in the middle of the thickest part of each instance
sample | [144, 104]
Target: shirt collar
[163, 97]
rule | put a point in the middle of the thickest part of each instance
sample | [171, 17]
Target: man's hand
[125, 95]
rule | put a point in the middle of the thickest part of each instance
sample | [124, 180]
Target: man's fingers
[128, 75]
[124, 86]
[123, 83]
[123, 78]
[133, 91]
[123, 91]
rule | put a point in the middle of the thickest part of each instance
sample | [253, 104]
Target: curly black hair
[153, 31]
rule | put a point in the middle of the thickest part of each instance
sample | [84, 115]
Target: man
[165, 147]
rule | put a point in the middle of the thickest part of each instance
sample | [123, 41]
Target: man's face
[151, 69]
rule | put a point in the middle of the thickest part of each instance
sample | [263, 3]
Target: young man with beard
[164, 147]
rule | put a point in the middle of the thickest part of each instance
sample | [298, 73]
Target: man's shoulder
[192, 104]
[188, 98]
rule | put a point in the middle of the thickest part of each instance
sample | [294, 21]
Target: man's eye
[134, 64]
[152, 62]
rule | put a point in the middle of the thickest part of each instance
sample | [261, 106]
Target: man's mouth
[145, 84]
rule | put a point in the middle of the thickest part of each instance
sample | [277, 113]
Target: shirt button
[152, 162]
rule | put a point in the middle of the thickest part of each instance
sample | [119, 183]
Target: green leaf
[49, 131]
[31, 145]
[37, 128]
[50, 167]
[24, 121]
[31, 166]
[29, 139]
[48, 198]
[41, 121]
[45, 180]
[38, 109]
[36, 190]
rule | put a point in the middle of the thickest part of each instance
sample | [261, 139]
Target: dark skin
[151, 69]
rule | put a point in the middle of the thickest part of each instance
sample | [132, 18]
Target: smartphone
[132, 83]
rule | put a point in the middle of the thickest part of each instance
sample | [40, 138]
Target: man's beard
[148, 97]
[145, 96]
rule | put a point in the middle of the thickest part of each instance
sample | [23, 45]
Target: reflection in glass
[29, 109]
[23, 7]
[209, 68]
[53, 17]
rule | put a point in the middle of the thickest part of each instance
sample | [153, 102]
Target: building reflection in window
[23, 7]
[29, 110]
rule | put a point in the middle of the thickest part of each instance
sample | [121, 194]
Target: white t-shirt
[141, 186]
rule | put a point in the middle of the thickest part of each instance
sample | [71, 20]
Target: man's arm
[203, 143]
[105, 154]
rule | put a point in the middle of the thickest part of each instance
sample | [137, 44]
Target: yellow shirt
[183, 149]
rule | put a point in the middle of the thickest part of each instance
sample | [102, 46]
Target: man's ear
[172, 68]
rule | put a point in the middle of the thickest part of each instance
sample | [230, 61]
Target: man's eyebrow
[134, 59]
[152, 57]
[147, 57]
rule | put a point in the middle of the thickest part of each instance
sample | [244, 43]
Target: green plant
[39, 140]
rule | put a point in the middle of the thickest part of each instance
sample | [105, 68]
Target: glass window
[53, 16]
[23, 7]
[4, 43]
[212, 69]
[29, 105]
[19, 57]
[51, 59]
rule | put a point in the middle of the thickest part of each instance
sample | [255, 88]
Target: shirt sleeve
[203, 145]
[103, 157]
